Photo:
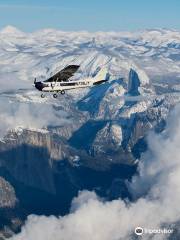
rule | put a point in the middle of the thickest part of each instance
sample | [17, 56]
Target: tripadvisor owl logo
[138, 231]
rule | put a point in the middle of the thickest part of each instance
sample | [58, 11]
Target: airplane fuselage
[60, 81]
[62, 86]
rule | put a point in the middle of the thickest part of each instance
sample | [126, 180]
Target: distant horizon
[97, 31]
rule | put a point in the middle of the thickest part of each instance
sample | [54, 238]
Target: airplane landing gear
[55, 95]
[62, 92]
[42, 95]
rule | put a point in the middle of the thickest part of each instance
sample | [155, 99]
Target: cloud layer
[156, 192]
[32, 115]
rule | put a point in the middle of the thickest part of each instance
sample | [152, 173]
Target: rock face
[7, 194]
[9, 219]
[133, 83]
[139, 83]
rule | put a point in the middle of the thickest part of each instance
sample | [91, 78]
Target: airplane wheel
[62, 92]
[43, 95]
[55, 95]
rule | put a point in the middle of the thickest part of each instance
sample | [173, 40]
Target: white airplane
[59, 83]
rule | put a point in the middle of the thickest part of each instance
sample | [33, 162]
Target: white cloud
[31, 115]
[156, 192]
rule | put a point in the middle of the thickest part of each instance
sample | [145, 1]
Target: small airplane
[59, 83]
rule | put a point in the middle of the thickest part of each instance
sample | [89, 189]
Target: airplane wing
[64, 74]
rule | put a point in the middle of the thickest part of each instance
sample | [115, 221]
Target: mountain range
[93, 139]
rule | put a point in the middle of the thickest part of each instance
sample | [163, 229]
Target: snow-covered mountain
[71, 142]
[155, 51]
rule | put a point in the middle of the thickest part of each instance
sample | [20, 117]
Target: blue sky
[91, 15]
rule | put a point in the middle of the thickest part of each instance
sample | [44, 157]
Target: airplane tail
[100, 76]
